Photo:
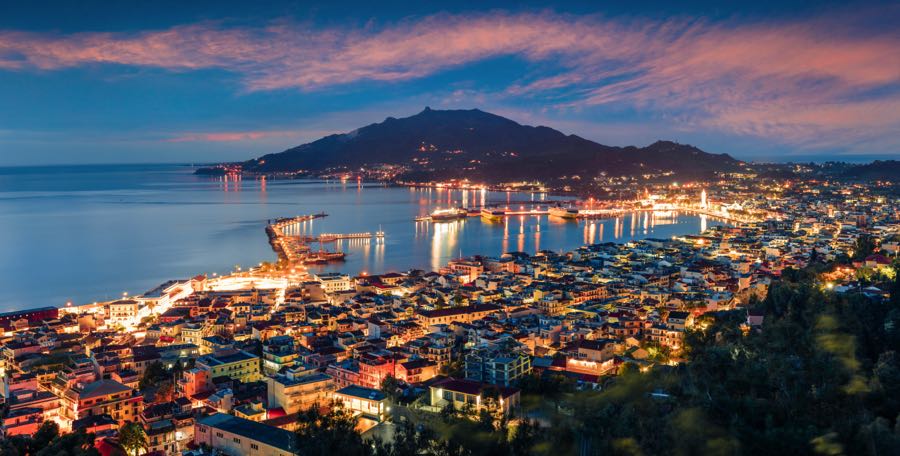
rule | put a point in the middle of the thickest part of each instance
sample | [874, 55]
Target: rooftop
[272, 436]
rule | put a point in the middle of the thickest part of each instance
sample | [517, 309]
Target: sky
[213, 81]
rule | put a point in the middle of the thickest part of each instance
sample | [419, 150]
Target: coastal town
[230, 364]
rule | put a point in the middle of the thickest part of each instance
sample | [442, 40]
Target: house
[368, 402]
[468, 394]
[416, 371]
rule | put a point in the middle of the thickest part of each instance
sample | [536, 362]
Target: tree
[154, 374]
[865, 245]
[331, 433]
[524, 438]
[390, 386]
[48, 442]
[133, 438]
[45, 434]
[75, 444]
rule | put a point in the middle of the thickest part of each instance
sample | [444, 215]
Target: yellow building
[235, 364]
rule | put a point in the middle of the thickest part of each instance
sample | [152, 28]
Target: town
[232, 364]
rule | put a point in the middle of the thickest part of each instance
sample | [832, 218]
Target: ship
[563, 212]
[323, 257]
[493, 214]
[446, 215]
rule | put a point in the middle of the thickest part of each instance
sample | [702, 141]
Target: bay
[89, 233]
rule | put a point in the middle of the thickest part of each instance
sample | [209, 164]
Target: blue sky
[90, 82]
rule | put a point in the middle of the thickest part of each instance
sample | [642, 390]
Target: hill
[445, 144]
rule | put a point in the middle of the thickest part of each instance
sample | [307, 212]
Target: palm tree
[133, 438]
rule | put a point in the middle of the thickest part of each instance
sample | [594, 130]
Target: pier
[292, 245]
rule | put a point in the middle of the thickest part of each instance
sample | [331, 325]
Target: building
[297, 390]
[333, 282]
[123, 312]
[462, 314]
[103, 397]
[30, 315]
[497, 366]
[368, 402]
[417, 370]
[235, 436]
[472, 395]
[22, 421]
[234, 364]
[468, 268]
[278, 353]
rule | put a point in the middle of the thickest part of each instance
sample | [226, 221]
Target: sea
[81, 234]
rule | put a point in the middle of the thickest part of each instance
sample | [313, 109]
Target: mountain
[877, 170]
[438, 144]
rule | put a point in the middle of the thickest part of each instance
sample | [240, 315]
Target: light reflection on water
[90, 233]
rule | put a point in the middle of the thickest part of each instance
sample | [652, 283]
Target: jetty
[292, 245]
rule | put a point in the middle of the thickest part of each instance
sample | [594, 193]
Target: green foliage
[332, 433]
[410, 441]
[154, 374]
[390, 386]
[865, 246]
[48, 442]
[132, 438]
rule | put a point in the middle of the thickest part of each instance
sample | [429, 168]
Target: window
[254, 446]
[219, 435]
[236, 440]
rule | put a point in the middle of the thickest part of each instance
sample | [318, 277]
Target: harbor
[295, 248]
[573, 210]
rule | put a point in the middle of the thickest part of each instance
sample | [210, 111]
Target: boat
[493, 214]
[445, 215]
[563, 212]
[322, 257]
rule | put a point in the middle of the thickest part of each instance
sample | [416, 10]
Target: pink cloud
[800, 81]
[231, 136]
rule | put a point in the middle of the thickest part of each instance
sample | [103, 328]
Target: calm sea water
[86, 233]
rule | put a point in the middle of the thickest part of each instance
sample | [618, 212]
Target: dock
[294, 248]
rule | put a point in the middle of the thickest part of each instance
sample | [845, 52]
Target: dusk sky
[192, 81]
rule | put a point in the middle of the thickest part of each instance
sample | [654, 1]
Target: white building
[334, 282]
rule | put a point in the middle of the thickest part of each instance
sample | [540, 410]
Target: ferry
[445, 215]
[493, 214]
[563, 212]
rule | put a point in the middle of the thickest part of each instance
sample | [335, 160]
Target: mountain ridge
[475, 144]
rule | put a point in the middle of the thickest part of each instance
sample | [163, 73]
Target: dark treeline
[47, 441]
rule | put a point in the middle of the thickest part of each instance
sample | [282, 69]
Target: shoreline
[249, 272]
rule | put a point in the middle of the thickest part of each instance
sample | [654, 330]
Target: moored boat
[563, 212]
[493, 214]
[444, 215]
